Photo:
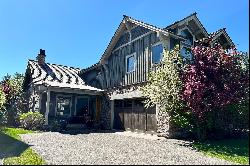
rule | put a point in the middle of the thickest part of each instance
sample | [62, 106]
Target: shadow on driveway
[87, 131]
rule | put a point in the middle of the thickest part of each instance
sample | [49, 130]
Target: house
[108, 90]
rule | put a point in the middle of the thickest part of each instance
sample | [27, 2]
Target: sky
[76, 32]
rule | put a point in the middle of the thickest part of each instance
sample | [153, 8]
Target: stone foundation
[106, 112]
[163, 125]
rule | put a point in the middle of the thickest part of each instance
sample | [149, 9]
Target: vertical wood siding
[117, 65]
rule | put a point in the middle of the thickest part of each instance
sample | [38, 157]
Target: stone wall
[163, 125]
[106, 112]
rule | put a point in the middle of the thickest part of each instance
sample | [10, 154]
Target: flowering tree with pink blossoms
[215, 79]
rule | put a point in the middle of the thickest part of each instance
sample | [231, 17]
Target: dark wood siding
[117, 62]
[132, 115]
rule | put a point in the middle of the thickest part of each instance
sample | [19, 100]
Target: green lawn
[234, 150]
[14, 150]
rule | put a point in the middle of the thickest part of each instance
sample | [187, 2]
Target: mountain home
[107, 91]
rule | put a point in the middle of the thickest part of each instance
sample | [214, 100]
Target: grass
[234, 150]
[16, 152]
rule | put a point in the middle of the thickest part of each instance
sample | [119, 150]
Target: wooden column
[40, 102]
[157, 109]
[98, 109]
[47, 108]
[112, 113]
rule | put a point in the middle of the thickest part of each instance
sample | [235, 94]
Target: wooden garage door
[132, 115]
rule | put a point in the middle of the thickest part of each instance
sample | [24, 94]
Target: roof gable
[222, 37]
[193, 23]
[124, 25]
[56, 76]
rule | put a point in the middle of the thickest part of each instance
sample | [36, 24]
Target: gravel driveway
[114, 148]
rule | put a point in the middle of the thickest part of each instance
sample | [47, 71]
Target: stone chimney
[41, 57]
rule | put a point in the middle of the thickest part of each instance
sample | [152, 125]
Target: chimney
[41, 57]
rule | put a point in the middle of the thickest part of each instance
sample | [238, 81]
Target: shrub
[16, 100]
[217, 78]
[2, 98]
[164, 85]
[31, 120]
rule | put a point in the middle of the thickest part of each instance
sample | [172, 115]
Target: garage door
[132, 115]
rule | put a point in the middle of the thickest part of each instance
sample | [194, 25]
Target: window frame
[70, 105]
[156, 44]
[187, 47]
[126, 62]
[81, 97]
[186, 28]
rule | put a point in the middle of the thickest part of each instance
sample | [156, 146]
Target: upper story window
[130, 63]
[187, 55]
[187, 35]
[157, 51]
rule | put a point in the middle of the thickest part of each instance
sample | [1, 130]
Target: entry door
[82, 106]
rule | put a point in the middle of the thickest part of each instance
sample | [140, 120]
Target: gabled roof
[218, 33]
[194, 16]
[164, 31]
[52, 75]
[118, 31]
[151, 27]
[176, 22]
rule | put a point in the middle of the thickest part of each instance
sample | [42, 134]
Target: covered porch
[76, 105]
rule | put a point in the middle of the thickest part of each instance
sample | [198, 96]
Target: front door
[82, 106]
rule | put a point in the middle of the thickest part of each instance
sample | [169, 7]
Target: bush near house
[16, 100]
[216, 86]
[2, 102]
[31, 120]
[208, 96]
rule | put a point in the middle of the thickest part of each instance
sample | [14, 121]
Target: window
[187, 35]
[63, 106]
[187, 55]
[130, 63]
[157, 53]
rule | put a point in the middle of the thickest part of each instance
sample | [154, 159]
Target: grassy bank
[16, 152]
[234, 150]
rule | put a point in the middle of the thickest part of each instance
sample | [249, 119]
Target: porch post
[40, 102]
[112, 113]
[47, 108]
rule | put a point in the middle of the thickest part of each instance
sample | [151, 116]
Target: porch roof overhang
[67, 88]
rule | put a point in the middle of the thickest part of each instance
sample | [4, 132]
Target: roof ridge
[56, 64]
[195, 13]
[146, 23]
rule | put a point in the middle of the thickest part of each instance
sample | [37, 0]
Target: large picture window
[130, 63]
[63, 106]
[157, 51]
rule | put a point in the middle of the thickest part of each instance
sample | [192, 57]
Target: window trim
[186, 28]
[156, 44]
[79, 97]
[126, 62]
[187, 47]
[59, 95]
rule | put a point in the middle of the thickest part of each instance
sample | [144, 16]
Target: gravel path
[114, 148]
